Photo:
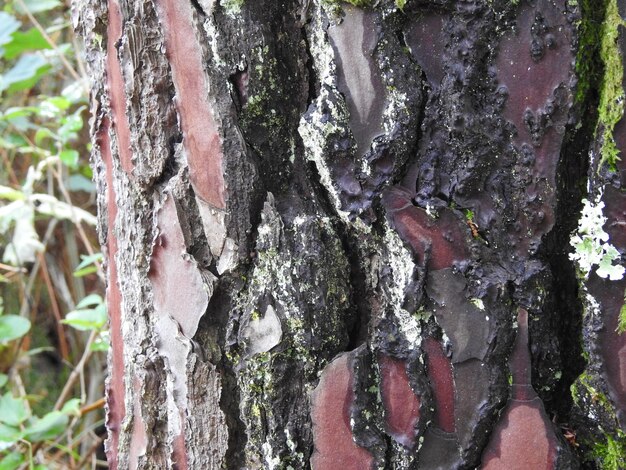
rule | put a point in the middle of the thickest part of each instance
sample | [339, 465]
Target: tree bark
[338, 235]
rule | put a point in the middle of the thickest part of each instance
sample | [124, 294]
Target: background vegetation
[52, 316]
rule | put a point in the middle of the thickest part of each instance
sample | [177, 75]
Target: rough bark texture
[337, 236]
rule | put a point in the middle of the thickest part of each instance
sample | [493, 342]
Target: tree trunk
[338, 234]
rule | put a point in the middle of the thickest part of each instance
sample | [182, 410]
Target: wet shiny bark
[339, 236]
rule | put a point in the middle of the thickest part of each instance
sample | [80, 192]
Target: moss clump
[588, 61]
[334, 5]
[612, 453]
[232, 6]
[611, 94]
[361, 3]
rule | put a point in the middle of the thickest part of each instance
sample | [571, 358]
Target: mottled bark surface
[338, 236]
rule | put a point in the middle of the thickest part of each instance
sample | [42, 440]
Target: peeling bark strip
[319, 248]
[172, 266]
[201, 137]
[115, 381]
[116, 87]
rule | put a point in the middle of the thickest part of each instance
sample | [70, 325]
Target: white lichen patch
[402, 266]
[270, 461]
[591, 244]
[315, 128]
[262, 334]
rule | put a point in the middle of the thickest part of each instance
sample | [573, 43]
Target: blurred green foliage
[52, 313]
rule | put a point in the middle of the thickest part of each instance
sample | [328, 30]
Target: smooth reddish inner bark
[442, 382]
[439, 242]
[115, 388]
[201, 138]
[330, 412]
[402, 407]
[115, 82]
[524, 437]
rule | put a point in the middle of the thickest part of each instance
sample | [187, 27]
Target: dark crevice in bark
[572, 174]
[171, 166]
[198, 7]
[212, 330]
[314, 83]
[356, 329]
[566, 302]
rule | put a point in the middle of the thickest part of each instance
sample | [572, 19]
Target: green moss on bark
[611, 107]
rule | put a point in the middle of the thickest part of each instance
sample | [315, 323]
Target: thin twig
[78, 224]
[49, 40]
[93, 406]
[65, 353]
[90, 452]
[28, 288]
[76, 372]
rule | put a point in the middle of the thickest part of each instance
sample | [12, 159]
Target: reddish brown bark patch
[117, 93]
[177, 284]
[402, 407]
[438, 242]
[521, 440]
[115, 384]
[524, 437]
[201, 137]
[331, 403]
[442, 382]
[179, 449]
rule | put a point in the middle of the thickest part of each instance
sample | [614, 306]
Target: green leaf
[18, 111]
[84, 271]
[87, 266]
[59, 102]
[69, 157]
[31, 40]
[75, 92]
[90, 301]
[42, 134]
[72, 407]
[3, 380]
[88, 319]
[9, 433]
[101, 343]
[13, 327]
[8, 25]
[80, 183]
[38, 6]
[25, 73]
[12, 461]
[10, 194]
[71, 125]
[13, 411]
[48, 427]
